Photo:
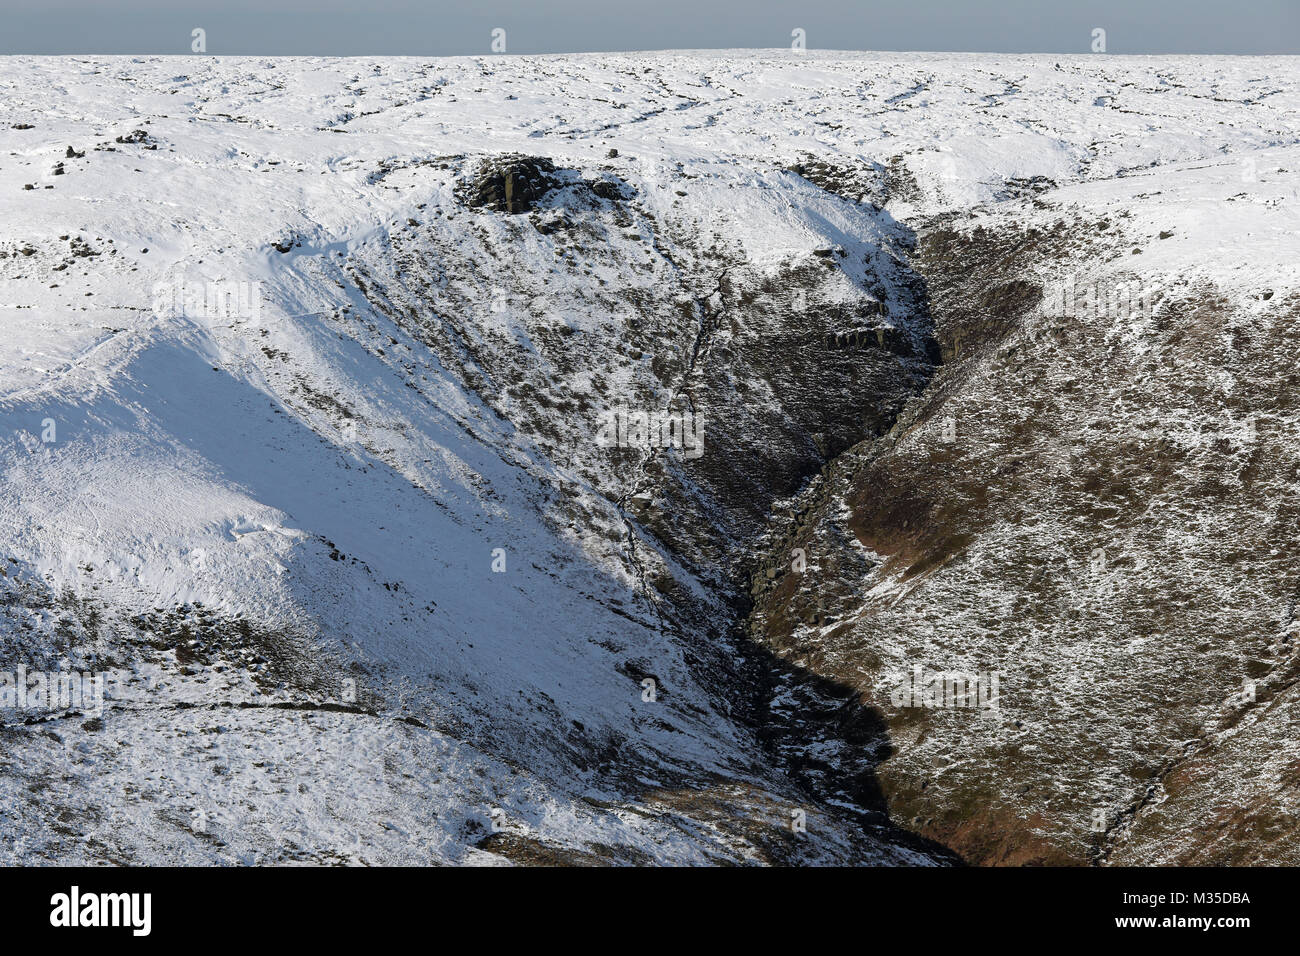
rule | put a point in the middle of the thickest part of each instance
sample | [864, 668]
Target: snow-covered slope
[364, 582]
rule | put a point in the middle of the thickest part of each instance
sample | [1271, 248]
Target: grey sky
[433, 27]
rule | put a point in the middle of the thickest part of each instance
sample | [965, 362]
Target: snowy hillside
[303, 375]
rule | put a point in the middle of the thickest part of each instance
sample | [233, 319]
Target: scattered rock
[138, 138]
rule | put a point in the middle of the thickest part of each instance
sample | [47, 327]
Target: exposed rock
[511, 184]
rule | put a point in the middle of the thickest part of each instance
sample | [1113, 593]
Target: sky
[438, 28]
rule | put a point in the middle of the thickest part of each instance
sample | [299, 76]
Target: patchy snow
[314, 468]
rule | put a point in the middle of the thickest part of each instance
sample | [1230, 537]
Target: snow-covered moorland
[303, 369]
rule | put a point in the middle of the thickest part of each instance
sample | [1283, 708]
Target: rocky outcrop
[511, 184]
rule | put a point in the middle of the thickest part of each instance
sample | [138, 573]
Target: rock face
[610, 479]
[511, 184]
